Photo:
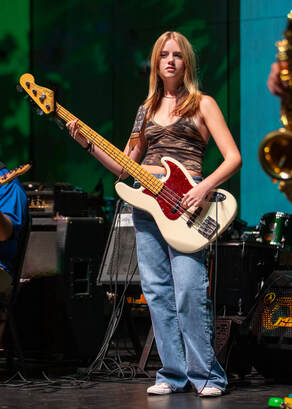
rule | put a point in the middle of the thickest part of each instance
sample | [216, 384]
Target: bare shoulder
[207, 103]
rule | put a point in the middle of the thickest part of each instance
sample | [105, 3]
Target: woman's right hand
[73, 129]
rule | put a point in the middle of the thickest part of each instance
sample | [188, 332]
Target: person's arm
[217, 127]
[6, 227]
[135, 154]
[274, 83]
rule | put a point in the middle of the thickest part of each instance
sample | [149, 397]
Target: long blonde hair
[188, 93]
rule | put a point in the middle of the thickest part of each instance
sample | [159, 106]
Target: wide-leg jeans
[175, 286]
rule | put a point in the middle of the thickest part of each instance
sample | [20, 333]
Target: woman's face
[171, 63]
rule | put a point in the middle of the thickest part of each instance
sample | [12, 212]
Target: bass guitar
[14, 173]
[188, 230]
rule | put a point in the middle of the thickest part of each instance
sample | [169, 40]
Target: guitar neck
[146, 179]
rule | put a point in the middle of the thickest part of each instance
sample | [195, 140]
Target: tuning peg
[19, 88]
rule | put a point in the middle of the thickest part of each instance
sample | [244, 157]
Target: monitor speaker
[119, 263]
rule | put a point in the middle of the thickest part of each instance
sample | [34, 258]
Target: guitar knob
[48, 107]
[27, 84]
[34, 91]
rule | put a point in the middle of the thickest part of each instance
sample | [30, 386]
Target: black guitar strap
[138, 125]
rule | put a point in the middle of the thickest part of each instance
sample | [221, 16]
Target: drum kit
[275, 230]
[247, 255]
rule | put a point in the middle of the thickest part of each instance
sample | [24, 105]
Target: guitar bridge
[208, 228]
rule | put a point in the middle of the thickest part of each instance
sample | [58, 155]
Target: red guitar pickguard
[177, 183]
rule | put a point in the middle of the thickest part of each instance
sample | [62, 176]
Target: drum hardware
[239, 312]
[234, 231]
[276, 230]
[251, 235]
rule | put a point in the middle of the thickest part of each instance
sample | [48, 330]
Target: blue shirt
[13, 203]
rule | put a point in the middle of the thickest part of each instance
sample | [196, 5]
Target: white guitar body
[178, 233]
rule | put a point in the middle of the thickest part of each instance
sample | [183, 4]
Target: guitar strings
[168, 195]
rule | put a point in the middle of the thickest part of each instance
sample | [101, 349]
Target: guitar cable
[213, 309]
[118, 307]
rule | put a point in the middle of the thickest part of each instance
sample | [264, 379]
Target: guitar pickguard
[174, 187]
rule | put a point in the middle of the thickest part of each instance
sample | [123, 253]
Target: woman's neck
[170, 88]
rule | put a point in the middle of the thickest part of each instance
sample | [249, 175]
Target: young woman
[178, 123]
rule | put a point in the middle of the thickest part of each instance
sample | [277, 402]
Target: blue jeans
[175, 286]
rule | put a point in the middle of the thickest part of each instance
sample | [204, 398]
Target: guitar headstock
[43, 97]
[12, 174]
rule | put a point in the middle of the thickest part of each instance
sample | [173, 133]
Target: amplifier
[41, 253]
[57, 246]
[119, 263]
[271, 327]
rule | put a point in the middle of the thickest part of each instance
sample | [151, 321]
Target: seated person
[13, 214]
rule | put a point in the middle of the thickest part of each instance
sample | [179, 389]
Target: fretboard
[146, 179]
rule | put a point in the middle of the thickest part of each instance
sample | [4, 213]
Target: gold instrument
[275, 151]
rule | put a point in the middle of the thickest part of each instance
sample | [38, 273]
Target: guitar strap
[138, 125]
[136, 131]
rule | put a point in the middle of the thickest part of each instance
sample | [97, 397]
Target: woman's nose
[171, 58]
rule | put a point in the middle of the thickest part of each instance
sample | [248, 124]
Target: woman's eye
[163, 54]
[177, 55]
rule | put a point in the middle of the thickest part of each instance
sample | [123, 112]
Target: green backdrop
[94, 54]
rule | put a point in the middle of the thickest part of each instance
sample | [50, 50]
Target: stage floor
[66, 393]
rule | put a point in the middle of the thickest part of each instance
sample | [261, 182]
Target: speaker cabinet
[241, 269]
[80, 245]
[271, 327]
[41, 254]
[62, 315]
[119, 263]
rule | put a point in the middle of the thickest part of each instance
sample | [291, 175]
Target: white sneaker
[210, 391]
[159, 389]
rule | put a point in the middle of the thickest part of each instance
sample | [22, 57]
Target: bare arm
[6, 227]
[217, 127]
[135, 154]
[274, 83]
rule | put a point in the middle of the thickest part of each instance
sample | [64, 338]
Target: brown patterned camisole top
[180, 140]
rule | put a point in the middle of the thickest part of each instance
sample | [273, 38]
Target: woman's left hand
[195, 196]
